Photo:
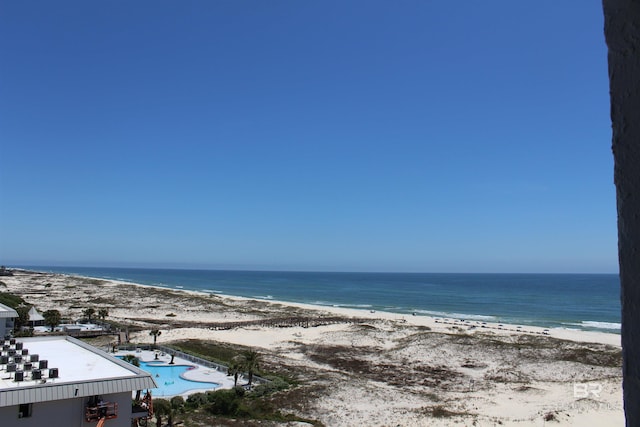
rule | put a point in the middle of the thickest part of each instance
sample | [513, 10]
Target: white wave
[264, 296]
[456, 315]
[601, 325]
[162, 285]
[353, 305]
[323, 303]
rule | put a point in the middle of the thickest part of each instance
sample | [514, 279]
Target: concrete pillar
[622, 34]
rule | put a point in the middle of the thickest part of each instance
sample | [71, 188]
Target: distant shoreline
[36, 268]
[433, 322]
[284, 287]
[349, 367]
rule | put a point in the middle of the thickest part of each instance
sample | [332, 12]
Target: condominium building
[59, 381]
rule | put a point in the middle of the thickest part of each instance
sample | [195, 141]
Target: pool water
[170, 382]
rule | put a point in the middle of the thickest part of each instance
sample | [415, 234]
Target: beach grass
[367, 369]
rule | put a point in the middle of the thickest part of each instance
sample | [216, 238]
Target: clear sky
[416, 135]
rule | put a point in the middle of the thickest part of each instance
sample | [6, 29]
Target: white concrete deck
[200, 373]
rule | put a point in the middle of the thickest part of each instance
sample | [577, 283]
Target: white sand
[392, 370]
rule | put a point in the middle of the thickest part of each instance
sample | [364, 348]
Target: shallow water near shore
[573, 301]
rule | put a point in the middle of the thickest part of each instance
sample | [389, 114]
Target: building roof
[34, 316]
[7, 312]
[83, 371]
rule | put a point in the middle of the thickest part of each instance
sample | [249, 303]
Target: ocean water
[573, 301]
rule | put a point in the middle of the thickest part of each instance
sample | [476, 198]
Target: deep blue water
[580, 301]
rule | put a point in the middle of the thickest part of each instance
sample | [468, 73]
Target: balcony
[101, 410]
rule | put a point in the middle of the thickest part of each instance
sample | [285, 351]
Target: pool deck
[199, 373]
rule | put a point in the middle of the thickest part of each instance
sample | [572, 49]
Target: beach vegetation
[275, 385]
[235, 403]
[130, 358]
[177, 403]
[24, 332]
[23, 316]
[11, 300]
[155, 333]
[162, 408]
[213, 351]
[235, 369]
[250, 364]
[224, 402]
[52, 318]
[196, 400]
[89, 280]
[105, 300]
[611, 357]
[89, 313]
[432, 396]
[441, 411]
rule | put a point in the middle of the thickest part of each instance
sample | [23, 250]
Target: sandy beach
[383, 369]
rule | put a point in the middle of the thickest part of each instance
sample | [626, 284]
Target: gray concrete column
[622, 34]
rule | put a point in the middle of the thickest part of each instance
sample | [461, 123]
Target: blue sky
[336, 135]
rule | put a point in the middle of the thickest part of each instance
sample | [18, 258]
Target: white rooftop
[34, 316]
[7, 311]
[82, 371]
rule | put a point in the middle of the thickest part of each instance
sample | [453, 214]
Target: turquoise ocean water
[574, 301]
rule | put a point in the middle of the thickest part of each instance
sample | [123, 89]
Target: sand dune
[384, 369]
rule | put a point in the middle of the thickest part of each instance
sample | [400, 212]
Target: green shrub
[239, 390]
[177, 403]
[196, 400]
[224, 402]
[11, 300]
[276, 384]
[23, 333]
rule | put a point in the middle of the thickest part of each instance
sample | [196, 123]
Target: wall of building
[622, 34]
[6, 326]
[66, 413]
[3, 328]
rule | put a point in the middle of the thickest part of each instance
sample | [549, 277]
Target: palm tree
[103, 313]
[161, 407]
[177, 406]
[156, 333]
[251, 363]
[23, 316]
[89, 313]
[52, 318]
[130, 358]
[235, 368]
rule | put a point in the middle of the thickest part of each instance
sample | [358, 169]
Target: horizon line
[141, 266]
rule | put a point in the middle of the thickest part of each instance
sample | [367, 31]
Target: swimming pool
[170, 381]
